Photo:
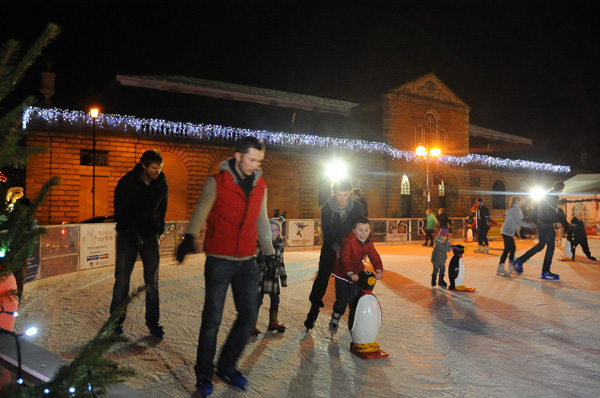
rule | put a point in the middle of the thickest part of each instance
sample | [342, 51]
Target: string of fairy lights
[160, 127]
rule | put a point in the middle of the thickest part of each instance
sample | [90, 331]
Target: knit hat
[574, 221]
[275, 221]
[444, 232]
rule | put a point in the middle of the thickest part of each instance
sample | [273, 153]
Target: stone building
[377, 140]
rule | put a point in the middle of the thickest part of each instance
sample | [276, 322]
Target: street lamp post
[94, 114]
[428, 154]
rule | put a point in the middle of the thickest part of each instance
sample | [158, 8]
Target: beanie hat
[574, 221]
[275, 221]
[444, 232]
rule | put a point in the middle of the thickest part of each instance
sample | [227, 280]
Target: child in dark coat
[356, 245]
[578, 236]
[439, 255]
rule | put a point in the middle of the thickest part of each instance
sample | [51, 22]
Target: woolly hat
[444, 232]
[574, 221]
[275, 221]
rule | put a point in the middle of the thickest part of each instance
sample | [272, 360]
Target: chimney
[47, 83]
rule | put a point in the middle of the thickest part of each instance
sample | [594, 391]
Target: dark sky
[524, 67]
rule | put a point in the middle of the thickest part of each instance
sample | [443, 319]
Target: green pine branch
[12, 69]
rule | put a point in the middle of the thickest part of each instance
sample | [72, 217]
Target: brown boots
[274, 325]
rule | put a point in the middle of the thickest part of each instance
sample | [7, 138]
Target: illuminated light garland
[160, 127]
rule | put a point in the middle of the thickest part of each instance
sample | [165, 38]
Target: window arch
[431, 122]
[405, 197]
[499, 195]
[405, 186]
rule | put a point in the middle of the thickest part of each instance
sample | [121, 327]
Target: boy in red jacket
[356, 245]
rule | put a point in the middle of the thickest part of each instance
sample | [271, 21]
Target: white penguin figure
[365, 319]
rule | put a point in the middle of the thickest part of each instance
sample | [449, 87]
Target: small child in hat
[269, 278]
[578, 236]
[439, 256]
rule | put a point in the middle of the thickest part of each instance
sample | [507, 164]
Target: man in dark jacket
[337, 216]
[578, 236]
[547, 215]
[483, 226]
[140, 204]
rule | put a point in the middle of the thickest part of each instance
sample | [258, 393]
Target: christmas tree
[90, 372]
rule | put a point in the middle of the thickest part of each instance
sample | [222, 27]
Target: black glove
[187, 246]
[271, 267]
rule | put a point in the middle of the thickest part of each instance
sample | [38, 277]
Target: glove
[187, 246]
[271, 267]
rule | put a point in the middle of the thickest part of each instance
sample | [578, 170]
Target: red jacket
[231, 224]
[351, 255]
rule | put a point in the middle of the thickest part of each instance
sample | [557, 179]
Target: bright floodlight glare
[435, 152]
[421, 151]
[94, 113]
[31, 331]
[336, 170]
[537, 193]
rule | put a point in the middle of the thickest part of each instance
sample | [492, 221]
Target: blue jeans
[547, 236]
[126, 256]
[219, 273]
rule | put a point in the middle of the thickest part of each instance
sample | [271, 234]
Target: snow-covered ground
[512, 337]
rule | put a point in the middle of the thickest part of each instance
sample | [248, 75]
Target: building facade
[394, 181]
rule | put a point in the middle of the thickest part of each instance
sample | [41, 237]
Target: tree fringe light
[160, 127]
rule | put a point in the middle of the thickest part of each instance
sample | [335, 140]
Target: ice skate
[549, 276]
[518, 266]
[441, 281]
[511, 268]
[233, 378]
[204, 387]
[311, 317]
[479, 249]
[502, 271]
[486, 249]
[334, 323]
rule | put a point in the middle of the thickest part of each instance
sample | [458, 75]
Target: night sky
[525, 69]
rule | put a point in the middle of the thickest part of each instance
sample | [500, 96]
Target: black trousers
[326, 260]
[509, 248]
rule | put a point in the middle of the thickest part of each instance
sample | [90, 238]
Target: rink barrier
[70, 248]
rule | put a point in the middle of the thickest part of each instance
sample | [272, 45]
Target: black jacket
[139, 207]
[335, 226]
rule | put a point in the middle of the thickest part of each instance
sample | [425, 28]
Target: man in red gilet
[233, 204]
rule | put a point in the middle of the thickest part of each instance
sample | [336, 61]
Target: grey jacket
[440, 251]
[513, 220]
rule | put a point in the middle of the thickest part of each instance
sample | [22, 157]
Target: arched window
[442, 194]
[405, 186]
[431, 129]
[405, 199]
[499, 195]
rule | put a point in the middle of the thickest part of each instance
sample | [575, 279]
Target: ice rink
[513, 337]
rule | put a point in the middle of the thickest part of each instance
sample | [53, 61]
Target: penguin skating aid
[365, 319]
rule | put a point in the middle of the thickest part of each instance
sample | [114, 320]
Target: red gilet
[231, 224]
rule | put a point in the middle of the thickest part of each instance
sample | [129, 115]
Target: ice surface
[512, 337]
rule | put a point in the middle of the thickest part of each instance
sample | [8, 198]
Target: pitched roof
[231, 91]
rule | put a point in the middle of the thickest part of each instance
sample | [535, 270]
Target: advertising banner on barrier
[301, 233]
[98, 243]
[397, 230]
[167, 240]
